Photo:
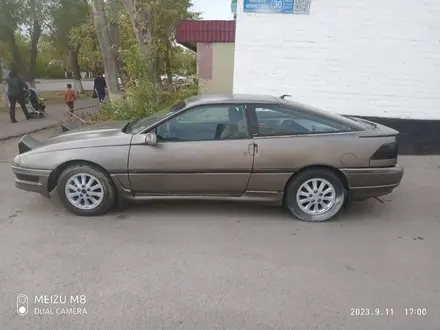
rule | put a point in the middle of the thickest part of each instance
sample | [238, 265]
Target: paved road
[60, 84]
[224, 266]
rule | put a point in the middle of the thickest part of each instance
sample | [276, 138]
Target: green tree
[35, 16]
[167, 14]
[67, 15]
[22, 19]
[105, 42]
[90, 57]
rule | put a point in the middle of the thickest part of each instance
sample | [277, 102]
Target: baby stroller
[35, 103]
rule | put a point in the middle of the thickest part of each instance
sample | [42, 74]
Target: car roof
[230, 98]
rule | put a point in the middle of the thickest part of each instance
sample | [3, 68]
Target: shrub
[143, 99]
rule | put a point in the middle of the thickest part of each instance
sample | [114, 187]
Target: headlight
[17, 161]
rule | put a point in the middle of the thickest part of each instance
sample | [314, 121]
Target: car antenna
[285, 95]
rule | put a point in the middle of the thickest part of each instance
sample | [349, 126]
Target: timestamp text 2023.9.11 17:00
[387, 312]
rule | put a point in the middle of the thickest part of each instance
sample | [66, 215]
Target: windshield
[142, 123]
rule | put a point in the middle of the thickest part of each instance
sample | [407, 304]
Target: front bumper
[32, 180]
[370, 182]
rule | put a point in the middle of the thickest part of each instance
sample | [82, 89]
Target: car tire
[95, 192]
[315, 195]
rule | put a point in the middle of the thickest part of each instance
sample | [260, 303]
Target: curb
[32, 131]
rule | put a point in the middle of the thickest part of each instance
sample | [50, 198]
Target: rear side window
[276, 120]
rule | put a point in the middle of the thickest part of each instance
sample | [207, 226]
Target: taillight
[386, 151]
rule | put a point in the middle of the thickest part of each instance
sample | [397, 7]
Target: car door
[194, 155]
[287, 139]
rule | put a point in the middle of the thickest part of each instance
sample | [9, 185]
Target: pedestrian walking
[99, 86]
[70, 97]
[16, 87]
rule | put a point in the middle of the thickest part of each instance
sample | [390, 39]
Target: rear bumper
[372, 182]
[32, 180]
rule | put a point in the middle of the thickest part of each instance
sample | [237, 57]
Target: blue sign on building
[269, 6]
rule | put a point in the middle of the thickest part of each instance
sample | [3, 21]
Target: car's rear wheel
[315, 195]
[86, 190]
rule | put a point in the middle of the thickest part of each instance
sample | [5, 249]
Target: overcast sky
[213, 9]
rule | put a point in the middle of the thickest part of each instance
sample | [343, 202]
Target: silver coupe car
[233, 147]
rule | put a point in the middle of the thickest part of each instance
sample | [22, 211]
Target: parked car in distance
[223, 147]
[175, 79]
[119, 81]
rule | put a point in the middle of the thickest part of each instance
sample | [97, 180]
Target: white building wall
[357, 57]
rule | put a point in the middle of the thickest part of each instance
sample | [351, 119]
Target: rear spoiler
[27, 143]
[68, 127]
[362, 120]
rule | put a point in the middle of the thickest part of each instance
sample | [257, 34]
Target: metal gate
[82, 116]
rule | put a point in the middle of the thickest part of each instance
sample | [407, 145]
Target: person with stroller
[99, 86]
[16, 87]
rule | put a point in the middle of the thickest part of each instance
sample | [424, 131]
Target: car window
[147, 121]
[275, 120]
[203, 115]
[205, 123]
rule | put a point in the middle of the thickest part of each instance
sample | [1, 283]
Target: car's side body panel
[112, 158]
[278, 156]
[106, 146]
[188, 168]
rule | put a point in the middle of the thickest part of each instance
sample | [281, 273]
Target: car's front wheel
[86, 190]
[315, 195]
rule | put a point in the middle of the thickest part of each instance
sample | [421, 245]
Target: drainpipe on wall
[234, 8]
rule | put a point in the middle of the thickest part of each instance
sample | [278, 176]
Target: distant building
[213, 41]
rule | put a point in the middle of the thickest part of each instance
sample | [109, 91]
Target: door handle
[251, 149]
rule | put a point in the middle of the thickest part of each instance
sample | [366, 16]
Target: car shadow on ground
[359, 211]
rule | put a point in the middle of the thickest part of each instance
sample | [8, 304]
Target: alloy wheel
[316, 196]
[84, 191]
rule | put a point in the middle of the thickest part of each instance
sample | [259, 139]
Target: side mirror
[151, 139]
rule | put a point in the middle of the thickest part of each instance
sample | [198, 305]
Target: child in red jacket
[69, 97]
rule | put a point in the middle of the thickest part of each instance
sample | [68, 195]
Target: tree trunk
[8, 28]
[115, 37]
[168, 64]
[12, 44]
[35, 37]
[110, 63]
[142, 20]
[76, 70]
